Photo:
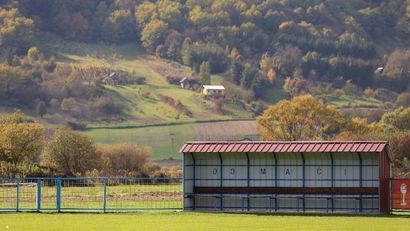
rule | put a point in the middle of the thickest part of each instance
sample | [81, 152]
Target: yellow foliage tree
[359, 129]
[71, 153]
[271, 76]
[20, 141]
[302, 118]
[10, 79]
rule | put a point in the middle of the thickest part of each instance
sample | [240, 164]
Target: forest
[257, 44]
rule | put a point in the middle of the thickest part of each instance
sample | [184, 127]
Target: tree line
[26, 152]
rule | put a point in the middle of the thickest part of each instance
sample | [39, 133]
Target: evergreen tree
[41, 109]
[236, 71]
[248, 74]
[172, 51]
[205, 73]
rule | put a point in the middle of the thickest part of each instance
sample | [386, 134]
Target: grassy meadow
[167, 140]
[198, 221]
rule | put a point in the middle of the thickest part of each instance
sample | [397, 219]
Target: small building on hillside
[111, 79]
[213, 90]
[185, 83]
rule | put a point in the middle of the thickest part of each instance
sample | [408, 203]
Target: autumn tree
[11, 79]
[71, 153]
[16, 31]
[33, 53]
[153, 33]
[359, 129]
[20, 141]
[397, 120]
[396, 126]
[302, 118]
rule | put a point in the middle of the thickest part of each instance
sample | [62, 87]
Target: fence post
[58, 194]
[38, 194]
[105, 194]
[17, 194]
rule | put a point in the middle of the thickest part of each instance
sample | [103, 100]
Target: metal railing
[90, 194]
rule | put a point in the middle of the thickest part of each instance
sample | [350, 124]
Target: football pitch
[197, 221]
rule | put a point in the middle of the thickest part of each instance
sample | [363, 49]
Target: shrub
[76, 125]
[385, 95]
[105, 106]
[351, 89]
[258, 107]
[403, 100]
[22, 170]
[369, 93]
[125, 160]
[173, 80]
[217, 105]
[177, 105]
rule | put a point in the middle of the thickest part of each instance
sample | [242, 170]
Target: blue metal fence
[90, 194]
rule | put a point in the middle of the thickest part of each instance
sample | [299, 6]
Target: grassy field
[197, 221]
[167, 140]
[344, 101]
[164, 140]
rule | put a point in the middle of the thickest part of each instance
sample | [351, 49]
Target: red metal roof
[283, 146]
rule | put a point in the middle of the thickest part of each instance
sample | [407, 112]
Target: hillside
[141, 102]
[56, 57]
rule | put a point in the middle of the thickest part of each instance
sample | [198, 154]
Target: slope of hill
[142, 103]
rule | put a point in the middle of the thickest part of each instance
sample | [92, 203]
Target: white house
[213, 90]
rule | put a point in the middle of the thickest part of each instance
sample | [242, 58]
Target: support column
[17, 195]
[193, 178]
[303, 179]
[332, 178]
[221, 178]
[276, 169]
[276, 179]
[183, 180]
[38, 194]
[360, 179]
[248, 178]
[105, 195]
[58, 194]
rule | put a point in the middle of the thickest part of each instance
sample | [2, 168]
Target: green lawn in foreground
[196, 221]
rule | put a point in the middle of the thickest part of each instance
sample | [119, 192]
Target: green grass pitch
[197, 221]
